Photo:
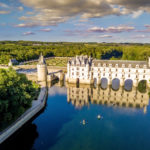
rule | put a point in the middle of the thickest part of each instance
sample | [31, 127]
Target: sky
[75, 20]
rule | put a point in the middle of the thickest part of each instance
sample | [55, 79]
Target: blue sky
[75, 20]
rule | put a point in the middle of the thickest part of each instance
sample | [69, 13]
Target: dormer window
[104, 65]
[145, 66]
[123, 65]
[130, 66]
[137, 66]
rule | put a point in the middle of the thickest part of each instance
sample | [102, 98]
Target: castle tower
[149, 61]
[42, 69]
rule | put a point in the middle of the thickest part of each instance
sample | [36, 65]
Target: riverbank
[37, 105]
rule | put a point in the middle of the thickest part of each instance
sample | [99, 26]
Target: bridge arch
[104, 83]
[115, 84]
[128, 84]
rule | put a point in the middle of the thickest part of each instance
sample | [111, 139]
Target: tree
[16, 95]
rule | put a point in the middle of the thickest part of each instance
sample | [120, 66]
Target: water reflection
[23, 140]
[84, 95]
[128, 85]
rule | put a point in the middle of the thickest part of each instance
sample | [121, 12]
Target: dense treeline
[27, 50]
[16, 95]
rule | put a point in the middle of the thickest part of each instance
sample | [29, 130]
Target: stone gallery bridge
[86, 70]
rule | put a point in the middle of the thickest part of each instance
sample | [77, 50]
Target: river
[87, 118]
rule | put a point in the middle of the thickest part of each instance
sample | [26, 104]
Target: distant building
[86, 70]
[37, 44]
[12, 62]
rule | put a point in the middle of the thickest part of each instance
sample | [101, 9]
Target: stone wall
[37, 105]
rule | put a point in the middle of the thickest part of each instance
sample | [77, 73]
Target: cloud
[4, 9]
[77, 32]
[46, 30]
[141, 36]
[50, 12]
[53, 12]
[3, 5]
[26, 25]
[105, 36]
[147, 30]
[147, 26]
[30, 13]
[28, 33]
[3, 24]
[137, 14]
[112, 29]
[3, 12]
[20, 8]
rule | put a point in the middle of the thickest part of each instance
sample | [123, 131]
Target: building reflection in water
[85, 94]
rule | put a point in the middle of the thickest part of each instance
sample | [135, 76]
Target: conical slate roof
[42, 60]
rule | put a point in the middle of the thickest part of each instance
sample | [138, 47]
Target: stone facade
[86, 70]
[42, 69]
[43, 74]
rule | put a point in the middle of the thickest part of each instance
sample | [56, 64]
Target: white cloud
[2, 12]
[3, 5]
[20, 8]
[136, 14]
[25, 25]
[112, 29]
[105, 36]
[52, 12]
[28, 33]
[46, 30]
[141, 36]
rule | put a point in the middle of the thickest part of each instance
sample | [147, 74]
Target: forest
[29, 50]
[16, 95]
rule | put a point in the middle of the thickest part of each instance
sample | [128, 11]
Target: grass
[60, 62]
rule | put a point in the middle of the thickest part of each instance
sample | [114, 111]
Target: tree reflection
[22, 140]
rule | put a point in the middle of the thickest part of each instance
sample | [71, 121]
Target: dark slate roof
[120, 63]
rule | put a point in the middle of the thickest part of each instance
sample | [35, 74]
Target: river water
[70, 121]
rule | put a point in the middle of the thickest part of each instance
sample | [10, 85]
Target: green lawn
[60, 62]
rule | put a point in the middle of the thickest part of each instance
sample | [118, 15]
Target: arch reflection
[104, 83]
[128, 85]
[84, 95]
[115, 84]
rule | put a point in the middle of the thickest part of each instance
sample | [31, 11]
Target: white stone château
[86, 70]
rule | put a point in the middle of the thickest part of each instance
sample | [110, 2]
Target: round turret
[149, 61]
[42, 69]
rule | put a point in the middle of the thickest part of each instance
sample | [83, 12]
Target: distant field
[60, 62]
